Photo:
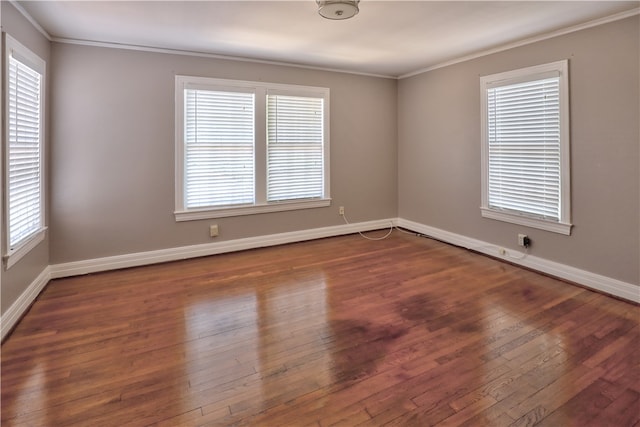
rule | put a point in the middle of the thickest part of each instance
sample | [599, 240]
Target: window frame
[538, 72]
[33, 61]
[260, 205]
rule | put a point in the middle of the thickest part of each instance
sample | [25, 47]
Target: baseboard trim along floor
[581, 277]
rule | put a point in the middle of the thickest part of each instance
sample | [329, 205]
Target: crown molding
[524, 42]
[142, 48]
[31, 20]
[193, 53]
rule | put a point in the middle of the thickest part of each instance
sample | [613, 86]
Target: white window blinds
[524, 148]
[294, 148]
[219, 148]
[246, 148]
[24, 154]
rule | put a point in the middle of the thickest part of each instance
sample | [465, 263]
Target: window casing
[525, 147]
[249, 147]
[24, 156]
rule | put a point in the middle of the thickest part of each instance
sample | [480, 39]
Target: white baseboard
[185, 252]
[594, 281]
[22, 304]
[585, 278]
[24, 301]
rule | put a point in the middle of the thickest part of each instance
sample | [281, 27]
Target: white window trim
[25, 247]
[563, 226]
[260, 89]
[17, 49]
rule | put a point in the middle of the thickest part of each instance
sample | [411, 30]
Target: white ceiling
[388, 38]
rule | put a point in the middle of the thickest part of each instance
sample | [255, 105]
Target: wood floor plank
[583, 407]
[623, 411]
[554, 394]
[341, 331]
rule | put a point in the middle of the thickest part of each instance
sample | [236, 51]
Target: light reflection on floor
[246, 337]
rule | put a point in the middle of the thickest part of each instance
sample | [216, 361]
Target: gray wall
[20, 275]
[113, 155]
[439, 149]
[409, 149]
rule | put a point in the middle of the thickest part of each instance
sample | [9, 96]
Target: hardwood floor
[340, 331]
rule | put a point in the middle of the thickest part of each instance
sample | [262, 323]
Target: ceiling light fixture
[338, 9]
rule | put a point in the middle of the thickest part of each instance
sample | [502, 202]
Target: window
[249, 147]
[294, 148]
[218, 141]
[24, 167]
[525, 147]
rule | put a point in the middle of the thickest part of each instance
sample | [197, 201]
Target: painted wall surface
[408, 148]
[16, 279]
[112, 186]
[439, 149]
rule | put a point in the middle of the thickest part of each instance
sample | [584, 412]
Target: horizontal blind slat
[24, 152]
[295, 148]
[524, 147]
[219, 152]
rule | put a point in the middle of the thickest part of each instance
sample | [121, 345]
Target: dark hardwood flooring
[405, 331]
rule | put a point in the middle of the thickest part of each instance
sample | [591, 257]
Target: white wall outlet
[341, 210]
[523, 240]
[213, 230]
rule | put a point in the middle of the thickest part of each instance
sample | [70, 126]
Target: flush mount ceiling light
[338, 9]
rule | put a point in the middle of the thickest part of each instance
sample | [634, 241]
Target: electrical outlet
[341, 210]
[213, 230]
[523, 240]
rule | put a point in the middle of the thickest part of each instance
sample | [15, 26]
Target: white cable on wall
[506, 254]
[367, 237]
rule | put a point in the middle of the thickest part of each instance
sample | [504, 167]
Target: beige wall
[113, 155]
[19, 276]
[439, 149]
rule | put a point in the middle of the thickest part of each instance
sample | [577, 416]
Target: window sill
[208, 213]
[555, 227]
[13, 256]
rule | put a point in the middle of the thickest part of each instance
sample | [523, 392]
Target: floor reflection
[250, 348]
[293, 356]
[32, 391]
[338, 331]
